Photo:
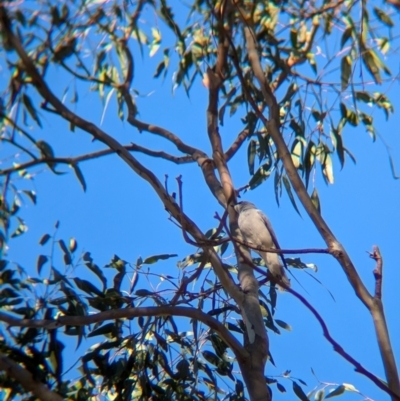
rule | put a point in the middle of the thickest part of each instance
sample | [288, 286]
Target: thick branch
[336, 249]
[21, 375]
[128, 313]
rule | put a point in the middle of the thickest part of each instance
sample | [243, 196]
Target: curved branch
[169, 202]
[340, 350]
[95, 155]
[21, 375]
[127, 313]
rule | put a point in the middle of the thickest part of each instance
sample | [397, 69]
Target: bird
[257, 231]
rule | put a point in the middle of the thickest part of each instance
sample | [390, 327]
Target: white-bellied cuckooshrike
[257, 231]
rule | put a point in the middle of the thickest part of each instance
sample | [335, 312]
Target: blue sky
[120, 214]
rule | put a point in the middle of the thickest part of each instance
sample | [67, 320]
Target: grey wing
[267, 223]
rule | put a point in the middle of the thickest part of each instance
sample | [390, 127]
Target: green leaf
[337, 391]
[309, 160]
[283, 324]
[42, 259]
[327, 168]
[87, 287]
[44, 239]
[299, 392]
[347, 34]
[67, 255]
[315, 200]
[319, 395]
[153, 259]
[79, 175]
[346, 69]
[251, 155]
[296, 153]
[288, 188]
[211, 357]
[109, 328]
[143, 293]
[338, 144]
[383, 17]
[372, 63]
[31, 195]
[260, 175]
[73, 244]
[31, 109]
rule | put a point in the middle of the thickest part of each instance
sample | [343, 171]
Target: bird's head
[242, 206]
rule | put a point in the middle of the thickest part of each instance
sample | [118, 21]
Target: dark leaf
[79, 175]
[44, 239]
[31, 195]
[283, 324]
[315, 200]
[109, 328]
[337, 391]
[289, 192]
[87, 286]
[42, 259]
[153, 259]
[299, 392]
[31, 109]
[346, 69]
[251, 155]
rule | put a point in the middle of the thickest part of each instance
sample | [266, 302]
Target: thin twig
[339, 349]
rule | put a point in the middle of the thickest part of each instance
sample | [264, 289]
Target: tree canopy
[278, 90]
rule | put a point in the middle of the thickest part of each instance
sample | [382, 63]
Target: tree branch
[237, 143]
[340, 350]
[128, 313]
[21, 375]
[168, 201]
[95, 155]
[336, 249]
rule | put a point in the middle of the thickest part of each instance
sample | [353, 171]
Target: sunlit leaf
[335, 392]
[346, 69]
[155, 258]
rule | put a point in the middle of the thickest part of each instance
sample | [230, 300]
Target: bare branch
[18, 373]
[340, 350]
[236, 144]
[95, 155]
[128, 313]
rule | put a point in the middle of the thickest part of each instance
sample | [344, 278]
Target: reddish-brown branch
[236, 144]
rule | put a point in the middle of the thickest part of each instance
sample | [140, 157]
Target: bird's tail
[277, 271]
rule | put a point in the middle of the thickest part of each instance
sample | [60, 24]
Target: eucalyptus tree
[297, 75]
